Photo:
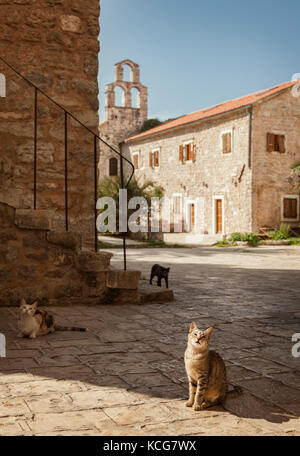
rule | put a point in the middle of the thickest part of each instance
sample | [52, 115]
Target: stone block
[155, 295]
[35, 240]
[25, 152]
[6, 216]
[68, 239]
[4, 276]
[26, 272]
[62, 291]
[84, 86]
[70, 23]
[33, 219]
[123, 279]
[88, 261]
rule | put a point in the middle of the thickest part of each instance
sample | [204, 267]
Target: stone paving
[126, 375]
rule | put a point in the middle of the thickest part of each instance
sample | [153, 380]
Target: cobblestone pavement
[126, 375]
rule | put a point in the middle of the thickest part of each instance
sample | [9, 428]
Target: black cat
[160, 273]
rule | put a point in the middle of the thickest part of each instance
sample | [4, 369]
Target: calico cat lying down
[206, 371]
[34, 322]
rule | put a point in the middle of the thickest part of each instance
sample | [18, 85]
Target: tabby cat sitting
[34, 322]
[206, 371]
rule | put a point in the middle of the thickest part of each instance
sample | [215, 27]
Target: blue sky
[198, 53]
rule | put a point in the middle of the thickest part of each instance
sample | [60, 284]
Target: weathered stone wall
[272, 177]
[38, 263]
[43, 264]
[121, 121]
[211, 174]
[54, 43]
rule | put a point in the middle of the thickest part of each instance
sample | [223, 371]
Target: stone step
[152, 293]
[88, 261]
[125, 280]
[34, 219]
[67, 239]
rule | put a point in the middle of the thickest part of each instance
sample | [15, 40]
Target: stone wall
[211, 174]
[272, 177]
[39, 263]
[54, 43]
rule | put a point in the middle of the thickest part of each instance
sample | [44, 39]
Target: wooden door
[219, 216]
[192, 217]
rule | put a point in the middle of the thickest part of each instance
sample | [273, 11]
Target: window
[290, 208]
[275, 143]
[135, 158]
[187, 152]
[227, 143]
[113, 166]
[154, 158]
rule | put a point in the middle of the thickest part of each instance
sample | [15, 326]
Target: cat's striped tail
[69, 328]
[236, 391]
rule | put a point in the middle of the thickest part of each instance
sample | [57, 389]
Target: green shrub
[282, 233]
[234, 237]
[252, 238]
[295, 241]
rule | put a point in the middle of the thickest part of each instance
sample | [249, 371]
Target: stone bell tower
[121, 121]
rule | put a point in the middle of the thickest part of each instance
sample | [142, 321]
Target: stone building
[233, 159]
[124, 117]
[54, 44]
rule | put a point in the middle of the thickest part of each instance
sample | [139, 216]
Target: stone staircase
[51, 266]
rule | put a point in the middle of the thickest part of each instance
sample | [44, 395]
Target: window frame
[276, 135]
[283, 219]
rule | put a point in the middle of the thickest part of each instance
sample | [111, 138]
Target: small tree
[110, 188]
[150, 123]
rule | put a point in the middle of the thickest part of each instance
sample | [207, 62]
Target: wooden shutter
[226, 137]
[181, 152]
[136, 161]
[188, 151]
[156, 158]
[294, 203]
[281, 141]
[290, 208]
[270, 142]
[193, 149]
[150, 160]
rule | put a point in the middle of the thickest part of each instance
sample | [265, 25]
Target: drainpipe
[250, 110]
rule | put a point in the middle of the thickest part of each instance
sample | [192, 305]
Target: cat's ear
[193, 326]
[208, 333]
[22, 302]
[35, 304]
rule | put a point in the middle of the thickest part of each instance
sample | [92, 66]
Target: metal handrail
[96, 138]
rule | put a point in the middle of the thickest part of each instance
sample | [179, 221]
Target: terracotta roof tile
[215, 110]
